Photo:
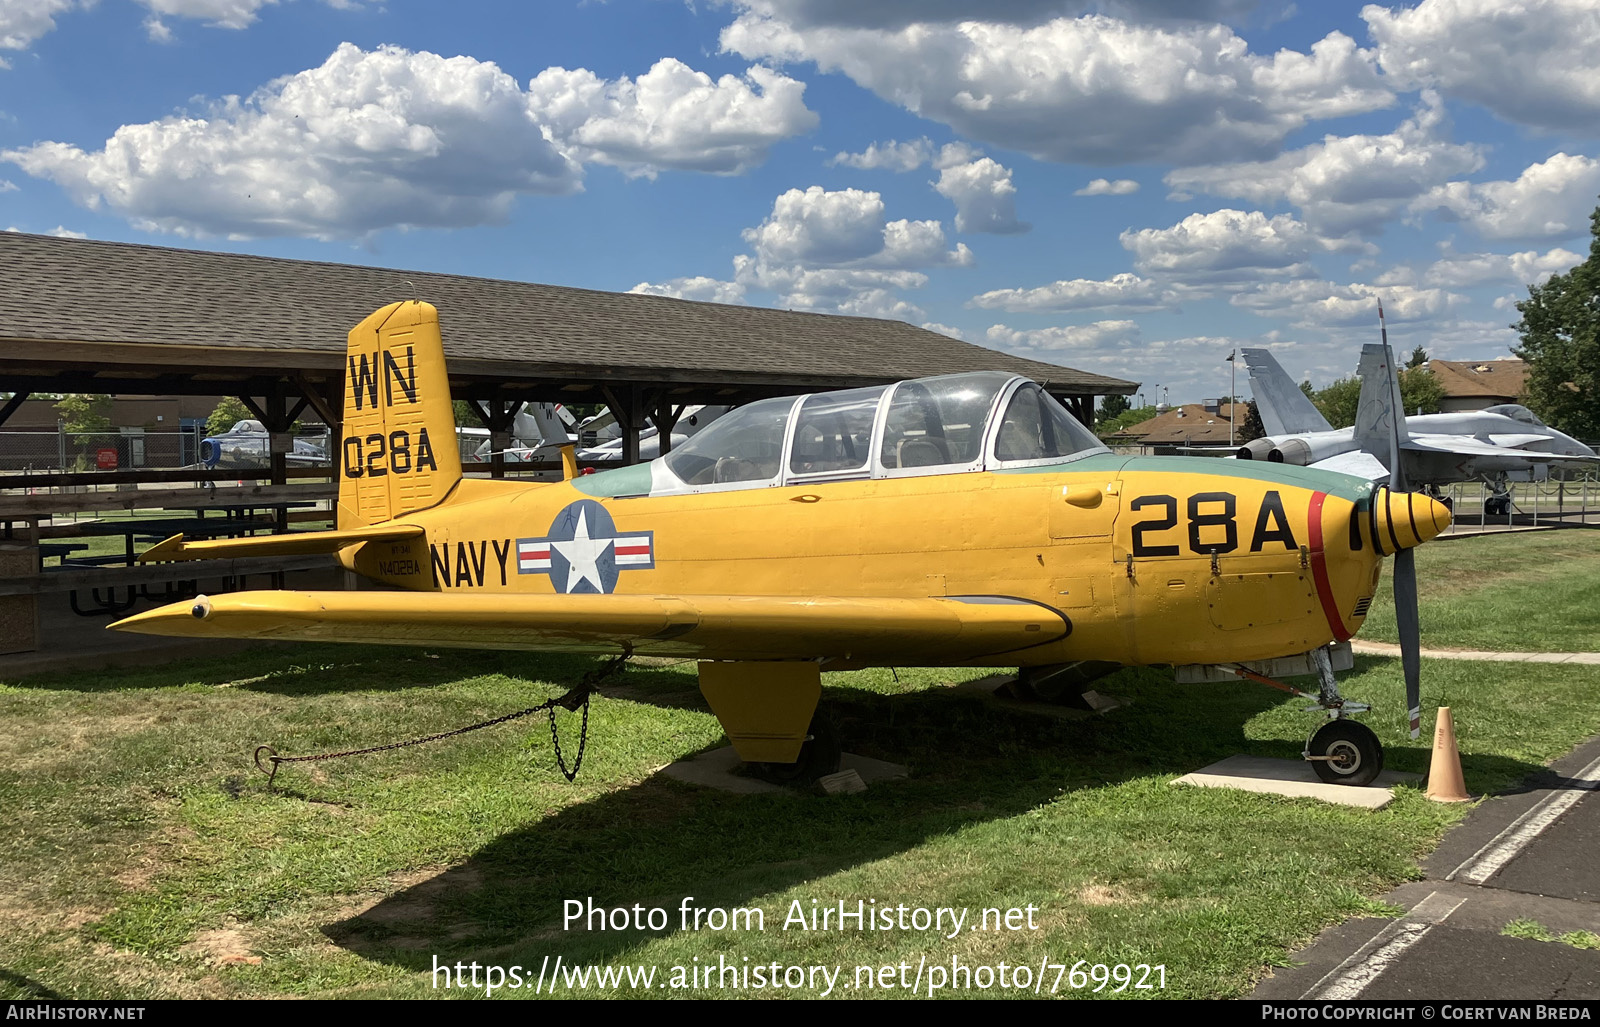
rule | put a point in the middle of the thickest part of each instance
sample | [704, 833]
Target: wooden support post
[665, 415]
[16, 400]
[627, 405]
[498, 415]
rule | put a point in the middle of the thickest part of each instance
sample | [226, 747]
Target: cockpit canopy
[948, 424]
[1517, 412]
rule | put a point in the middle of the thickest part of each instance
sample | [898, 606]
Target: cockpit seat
[920, 452]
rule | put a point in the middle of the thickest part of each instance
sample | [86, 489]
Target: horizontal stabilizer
[304, 543]
[925, 631]
[1357, 462]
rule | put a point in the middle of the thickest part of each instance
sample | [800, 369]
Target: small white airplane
[541, 429]
[1499, 445]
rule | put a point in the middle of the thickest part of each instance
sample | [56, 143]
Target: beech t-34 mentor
[963, 520]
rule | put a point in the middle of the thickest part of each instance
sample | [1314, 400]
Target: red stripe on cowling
[1319, 568]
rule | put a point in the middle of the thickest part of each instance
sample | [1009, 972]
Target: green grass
[1520, 592]
[144, 857]
[1533, 930]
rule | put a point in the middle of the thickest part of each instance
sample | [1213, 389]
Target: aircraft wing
[304, 543]
[918, 632]
[1284, 409]
[1461, 445]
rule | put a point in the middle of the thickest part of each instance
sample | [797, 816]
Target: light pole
[1233, 379]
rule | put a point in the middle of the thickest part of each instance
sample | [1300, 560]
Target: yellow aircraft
[963, 520]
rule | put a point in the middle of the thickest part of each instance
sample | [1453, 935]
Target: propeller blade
[1405, 615]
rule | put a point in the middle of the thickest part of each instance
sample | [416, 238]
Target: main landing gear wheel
[1344, 752]
[819, 756]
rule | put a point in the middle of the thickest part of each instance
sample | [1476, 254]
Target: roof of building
[1187, 425]
[1498, 379]
[272, 313]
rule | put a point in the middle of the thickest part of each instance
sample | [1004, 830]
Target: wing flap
[305, 543]
[912, 632]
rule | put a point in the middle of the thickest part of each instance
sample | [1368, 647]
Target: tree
[1251, 427]
[1560, 329]
[1126, 419]
[1419, 358]
[1111, 407]
[1419, 393]
[226, 414]
[466, 417]
[85, 413]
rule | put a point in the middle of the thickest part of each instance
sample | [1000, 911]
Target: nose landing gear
[1341, 751]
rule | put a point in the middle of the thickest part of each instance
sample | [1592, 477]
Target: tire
[1357, 751]
[820, 755]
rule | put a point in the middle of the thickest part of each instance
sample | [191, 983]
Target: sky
[1131, 187]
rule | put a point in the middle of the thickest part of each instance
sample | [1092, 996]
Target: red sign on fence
[106, 458]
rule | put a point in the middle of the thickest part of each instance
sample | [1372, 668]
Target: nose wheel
[1344, 752]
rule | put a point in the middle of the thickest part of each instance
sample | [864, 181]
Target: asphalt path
[1532, 854]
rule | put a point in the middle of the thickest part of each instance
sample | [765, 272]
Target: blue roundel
[584, 552]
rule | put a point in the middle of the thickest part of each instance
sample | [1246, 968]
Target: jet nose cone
[1405, 519]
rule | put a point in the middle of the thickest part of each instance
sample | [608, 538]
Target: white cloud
[23, 21]
[835, 251]
[1123, 292]
[157, 30]
[66, 233]
[847, 228]
[1089, 336]
[1536, 62]
[699, 287]
[7, 186]
[1549, 200]
[944, 329]
[364, 142]
[1091, 90]
[1224, 244]
[391, 138]
[985, 199]
[900, 13]
[670, 117]
[1321, 304]
[222, 14]
[891, 156]
[1531, 267]
[1345, 183]
[1106, 187]
[897, 156]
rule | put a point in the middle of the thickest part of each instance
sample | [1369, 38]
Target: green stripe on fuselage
[1345, 486]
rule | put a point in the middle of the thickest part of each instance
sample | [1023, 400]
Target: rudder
[399, 451]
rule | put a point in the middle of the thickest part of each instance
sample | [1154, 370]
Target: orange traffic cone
[1445, 783]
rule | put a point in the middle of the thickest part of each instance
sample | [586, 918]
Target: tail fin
[1380, 418]
[399, 451]
[1284, 409]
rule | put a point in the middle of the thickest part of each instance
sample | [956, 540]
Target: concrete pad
[719, 769]
[1293, 778]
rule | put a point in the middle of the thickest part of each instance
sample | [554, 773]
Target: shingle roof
[104, 292]
[1498, 379]
[1188, 424]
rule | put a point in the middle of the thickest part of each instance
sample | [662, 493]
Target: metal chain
[575, 699]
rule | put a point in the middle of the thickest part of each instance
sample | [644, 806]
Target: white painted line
[1505, 846]
[1351, 977]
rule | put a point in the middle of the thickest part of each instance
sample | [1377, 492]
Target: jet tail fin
[1380, 415]
[399, 448]
[1284, 409]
